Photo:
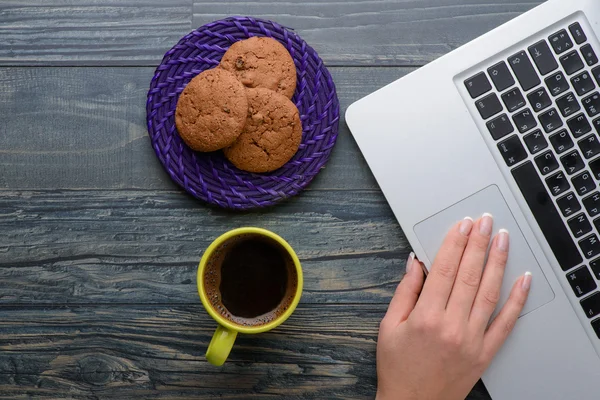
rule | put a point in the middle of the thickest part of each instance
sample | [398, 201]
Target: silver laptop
[509, 124]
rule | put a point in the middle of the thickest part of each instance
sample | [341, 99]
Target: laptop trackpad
[432, 231]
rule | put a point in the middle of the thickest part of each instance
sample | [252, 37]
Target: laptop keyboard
[542, 108]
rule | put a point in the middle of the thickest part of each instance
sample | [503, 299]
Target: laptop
[509, 124]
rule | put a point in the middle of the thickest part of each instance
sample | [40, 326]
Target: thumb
[407, 293]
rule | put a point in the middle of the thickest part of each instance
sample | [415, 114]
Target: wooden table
[99, 249]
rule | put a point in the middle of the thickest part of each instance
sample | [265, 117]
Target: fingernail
[466, 225]
[486, 224]
[409, 262]
[526, 285]
[502, 241]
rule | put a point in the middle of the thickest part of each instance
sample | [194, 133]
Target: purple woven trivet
[209, 176]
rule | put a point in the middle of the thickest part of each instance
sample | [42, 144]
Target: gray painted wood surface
[126, 32]
[99, 249]
[89, 134]
[90, 32]
[127, 351]
[143, 247]
[367, 32]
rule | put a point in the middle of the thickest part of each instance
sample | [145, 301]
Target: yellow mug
[224, 337]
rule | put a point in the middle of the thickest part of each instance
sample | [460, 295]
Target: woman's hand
[434, 342]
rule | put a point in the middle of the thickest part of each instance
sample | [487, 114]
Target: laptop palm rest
[432, 231]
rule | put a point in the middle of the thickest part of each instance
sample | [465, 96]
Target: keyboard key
[545, 213]
[577, 33]
[589, 55]
[572, 162]
[571, 62]
[512, 150]
[561, 141]
[595, 166]
[568, 204]
[596, 124]
[524, 120]
[596, 74]
[590, 246]
[557, 83]
[478, 85]
[592, 204]
[579, 126]
[550, 120]
[595, 266]
[591, 305]
[581, 281]
[500, 127]
[513, 100]
[580, 225]
[597, 223]
[596, 326]
[523, 69]
[561, 41]
[543, 57]
[501, 76]
[489, 106]
[583, 83]
[558, 183]
[592, 104]
[546, 162]
[590, 146]
[568, 105]
[583, 183]
[535, 141]
[539, 99]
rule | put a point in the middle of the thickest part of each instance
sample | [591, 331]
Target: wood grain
[99, 248]
[90, 32]
[386, 32]
[144, 246]
[364, 32]
[85, 128]
[158, 351]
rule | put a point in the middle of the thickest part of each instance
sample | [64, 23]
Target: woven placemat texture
[209, 176]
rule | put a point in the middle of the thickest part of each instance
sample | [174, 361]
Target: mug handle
[220, 345]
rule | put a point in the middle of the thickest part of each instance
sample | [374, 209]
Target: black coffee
[251, 280]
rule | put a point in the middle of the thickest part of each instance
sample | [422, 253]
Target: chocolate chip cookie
[262, 62]
[211, 110]
[271, 136]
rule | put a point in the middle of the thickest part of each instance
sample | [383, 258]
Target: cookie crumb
[239, 63]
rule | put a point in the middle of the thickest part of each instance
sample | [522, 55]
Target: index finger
[440, 280]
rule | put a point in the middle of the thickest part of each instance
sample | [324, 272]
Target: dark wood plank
[90, 32]
[144, 246]
[159, 352]
[77, 128]
[364, 32]
[322, 351]
[121, 32]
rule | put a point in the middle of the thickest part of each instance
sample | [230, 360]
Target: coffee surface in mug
[251, 280]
